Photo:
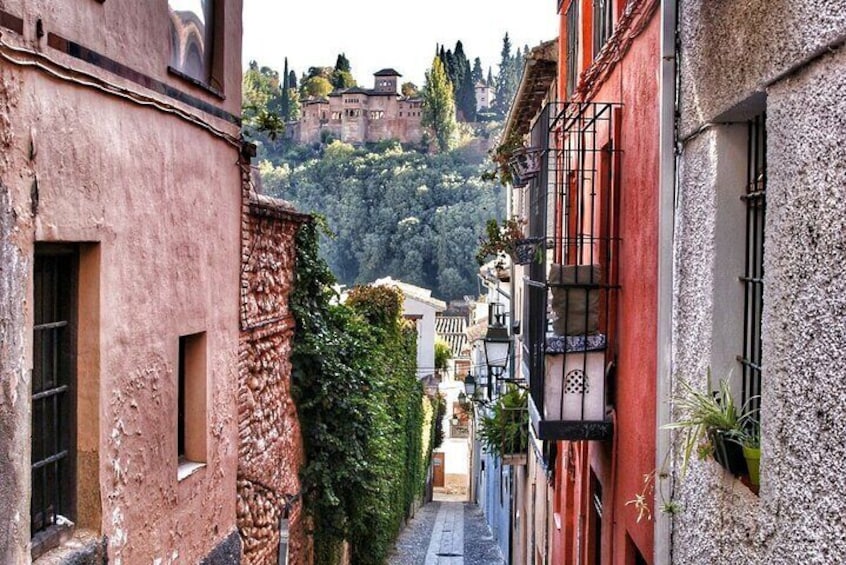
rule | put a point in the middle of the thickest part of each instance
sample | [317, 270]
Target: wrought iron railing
[572, 289]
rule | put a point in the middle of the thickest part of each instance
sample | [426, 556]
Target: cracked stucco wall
[158, 198]
[786, 57]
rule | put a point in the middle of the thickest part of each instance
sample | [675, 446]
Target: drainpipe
[666, 223]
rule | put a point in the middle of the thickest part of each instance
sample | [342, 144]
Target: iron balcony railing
[571, 288]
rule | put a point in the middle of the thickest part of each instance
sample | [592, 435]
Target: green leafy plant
[500, 238]
[706, 417]
[501, 156]
[505, 429]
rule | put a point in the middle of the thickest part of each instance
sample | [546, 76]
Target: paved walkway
[446, 533]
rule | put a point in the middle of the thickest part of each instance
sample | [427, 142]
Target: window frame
[214, 82]
[63, 260]
[603, 23]
[572, 47]
[752, 279]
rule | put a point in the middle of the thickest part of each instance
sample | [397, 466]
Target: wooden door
[438, 465]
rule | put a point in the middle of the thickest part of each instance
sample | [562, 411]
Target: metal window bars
[52, 383]
[572, 291]
[753, 277]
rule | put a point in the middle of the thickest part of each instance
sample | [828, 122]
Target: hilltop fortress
[358, 115]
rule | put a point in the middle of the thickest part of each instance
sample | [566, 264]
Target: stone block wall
[270, 450]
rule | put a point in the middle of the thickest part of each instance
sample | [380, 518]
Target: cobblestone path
[446, 533]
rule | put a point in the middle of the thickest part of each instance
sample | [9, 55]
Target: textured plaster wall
[158, 199]
[270, 450]
[730, 50]
[798, 516]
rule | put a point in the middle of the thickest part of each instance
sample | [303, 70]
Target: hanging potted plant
[524, 164]
[508, 238]
[504, 431]
[712, 425]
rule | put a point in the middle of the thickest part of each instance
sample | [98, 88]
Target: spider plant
[706, 418]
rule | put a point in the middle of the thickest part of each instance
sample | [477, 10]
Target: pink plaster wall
[159, 198]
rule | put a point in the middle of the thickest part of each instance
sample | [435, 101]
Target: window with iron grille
[603, 23]
[53, 385]
[753, 277]
[572, 47]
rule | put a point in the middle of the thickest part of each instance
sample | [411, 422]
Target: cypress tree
[477, 74]
[285, 104]
[292, 79]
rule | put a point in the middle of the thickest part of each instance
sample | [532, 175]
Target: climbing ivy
[361, 410]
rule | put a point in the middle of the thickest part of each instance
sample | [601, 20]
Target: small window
[753, 278]
[603, 23]
[191, 402]
[192, 27]
[53, 388]
[572, 46]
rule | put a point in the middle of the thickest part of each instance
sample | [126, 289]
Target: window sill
[75, 545]
[188, 468]
[198, 83]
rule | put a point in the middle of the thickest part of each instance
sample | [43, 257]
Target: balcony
[571, 290]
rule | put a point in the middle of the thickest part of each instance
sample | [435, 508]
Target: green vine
[361, 410]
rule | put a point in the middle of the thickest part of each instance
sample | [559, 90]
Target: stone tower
[386, 81]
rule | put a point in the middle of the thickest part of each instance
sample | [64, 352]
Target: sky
[375, 34]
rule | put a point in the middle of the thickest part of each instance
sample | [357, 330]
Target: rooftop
[387, 73]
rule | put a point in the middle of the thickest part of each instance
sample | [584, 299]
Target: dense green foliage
[361, 411]
[399, 213]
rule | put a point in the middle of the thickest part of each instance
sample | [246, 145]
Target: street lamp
[469, 385]
[497, 341]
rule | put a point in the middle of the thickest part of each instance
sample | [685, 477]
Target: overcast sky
[376, 34]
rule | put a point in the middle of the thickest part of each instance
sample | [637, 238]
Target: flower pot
[753, 463]
[525, 164]
[525, 250]
[729, 453]
[514, 459]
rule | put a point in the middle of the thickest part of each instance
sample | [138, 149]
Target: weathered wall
[14, 389]
[158, 198]
[799, 514]
[270, 450]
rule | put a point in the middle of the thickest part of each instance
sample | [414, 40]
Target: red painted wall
[632, 81]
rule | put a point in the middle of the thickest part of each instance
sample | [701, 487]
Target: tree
[477, 74]
[439, 105]
[409, 89]
[285, 105]
[317, 86]
[292, 79]
[465, 91]
[342, 73]
[490, 80]
[507, 81]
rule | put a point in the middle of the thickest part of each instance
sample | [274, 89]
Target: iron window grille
[573, 209]
[753, 276]
[53, 385]
[572, 47]
[603, 23]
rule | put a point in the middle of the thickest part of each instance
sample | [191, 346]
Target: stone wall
[270, 450]
[740, 58]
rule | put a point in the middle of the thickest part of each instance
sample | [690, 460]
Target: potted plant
[751, 442]
[711, 424]
[507, 238]
[504, 431]
[524, 164]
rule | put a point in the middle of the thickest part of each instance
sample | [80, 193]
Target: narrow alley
[446, 533]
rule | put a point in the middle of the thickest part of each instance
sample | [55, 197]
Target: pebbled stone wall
[788, 58]
[270, 450]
